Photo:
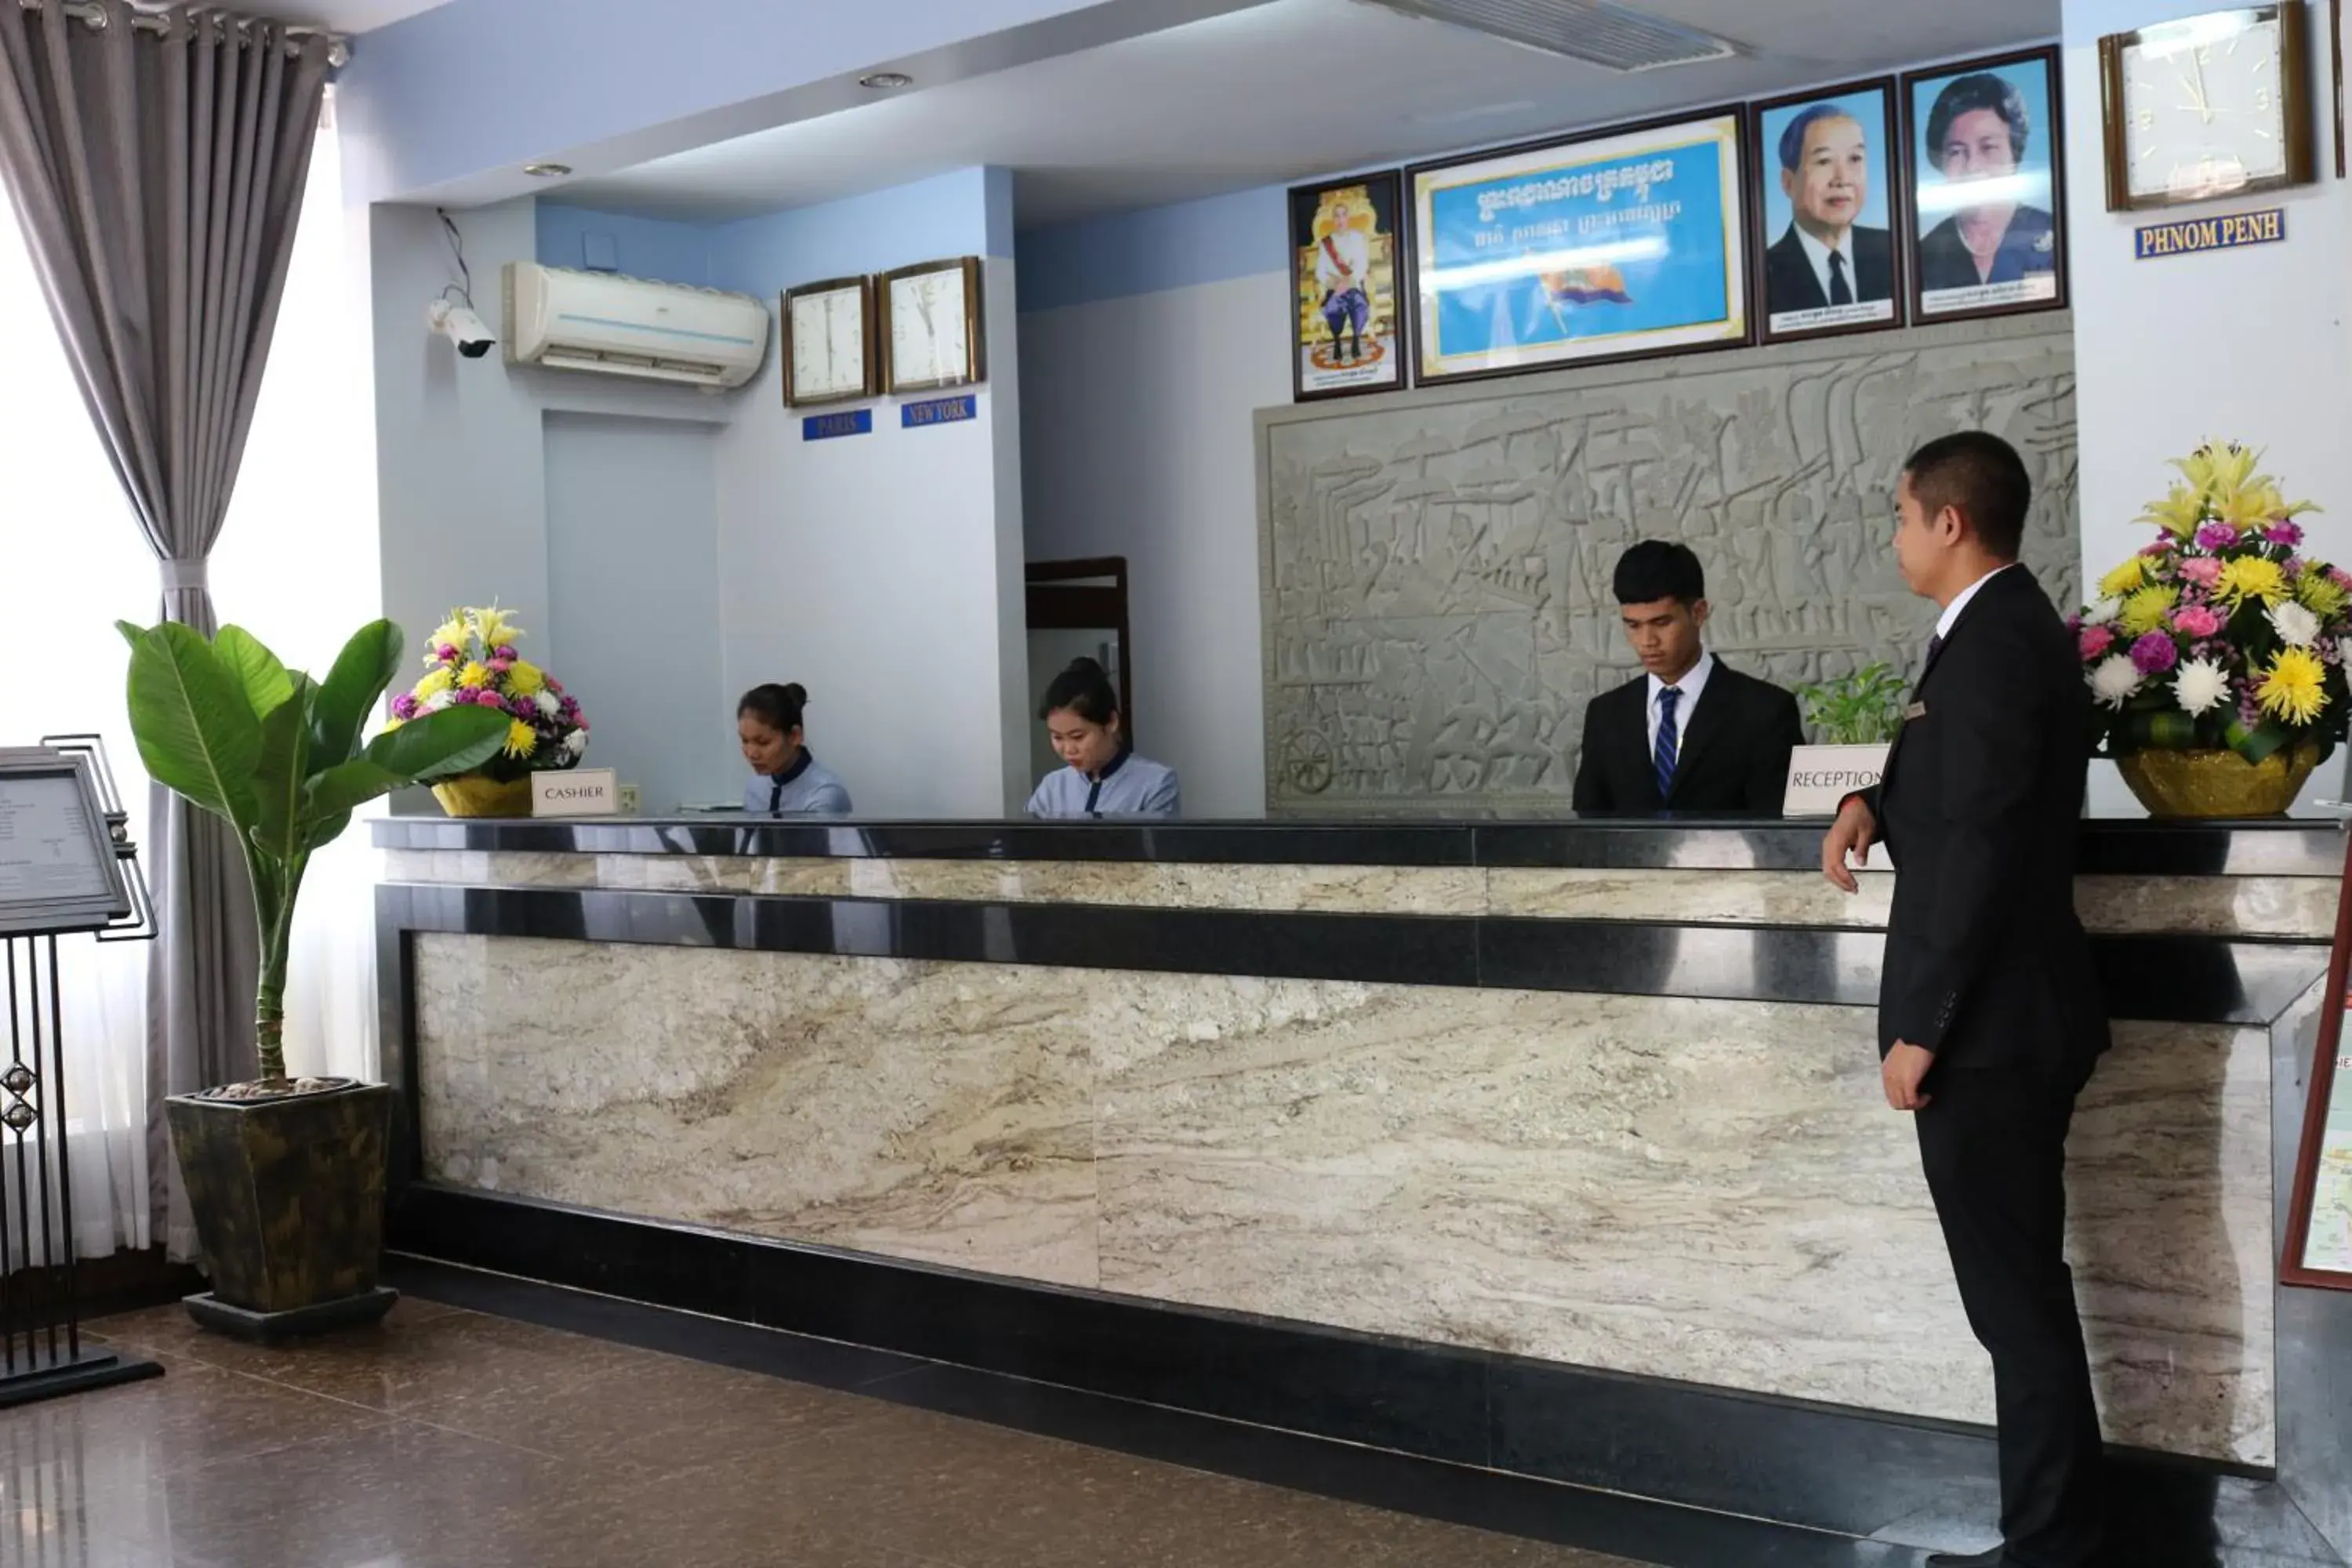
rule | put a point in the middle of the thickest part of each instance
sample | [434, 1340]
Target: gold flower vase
[475, 795]
[2217, 783]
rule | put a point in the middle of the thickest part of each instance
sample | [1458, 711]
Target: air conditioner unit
[627, 326]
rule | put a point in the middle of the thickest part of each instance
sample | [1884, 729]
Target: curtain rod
[339, 50]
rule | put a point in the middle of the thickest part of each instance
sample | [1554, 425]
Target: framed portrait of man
[1826, 202]
[1346, 332]
[1988, 227]
[1606, 245]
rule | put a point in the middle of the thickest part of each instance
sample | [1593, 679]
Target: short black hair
[1981, 475]
[777, 707]
[1792, 135]
[1965, 95]
[1084, 689]
[1659, 569]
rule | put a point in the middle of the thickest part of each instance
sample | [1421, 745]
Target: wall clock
[931, 326]
[2207, 107]
[829, 342]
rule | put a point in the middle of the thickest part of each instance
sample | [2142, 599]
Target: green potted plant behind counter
[1852, 719]
[285, 1176]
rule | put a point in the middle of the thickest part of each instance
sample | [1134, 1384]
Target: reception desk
[1546, 1147]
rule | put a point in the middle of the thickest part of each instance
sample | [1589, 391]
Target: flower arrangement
[2223, 634]
[471, 659]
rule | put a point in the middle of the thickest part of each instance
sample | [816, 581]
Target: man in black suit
[1693, 735]
[1990, 1018]
[1826, 258]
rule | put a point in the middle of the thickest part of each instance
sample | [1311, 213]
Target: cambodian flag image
[1586, 286]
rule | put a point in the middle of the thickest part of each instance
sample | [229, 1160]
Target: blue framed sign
[1626, 243]
[832, 426]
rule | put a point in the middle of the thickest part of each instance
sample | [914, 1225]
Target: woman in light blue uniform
[786, 779]
[1105, 777]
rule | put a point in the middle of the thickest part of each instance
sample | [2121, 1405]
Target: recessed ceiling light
[547, 171]
[886, 82]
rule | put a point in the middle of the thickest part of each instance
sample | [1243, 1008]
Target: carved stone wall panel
[1435, 569]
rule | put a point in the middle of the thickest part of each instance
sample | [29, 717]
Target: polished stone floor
[452, 1437]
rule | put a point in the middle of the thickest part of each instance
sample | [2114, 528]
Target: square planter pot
[287, 1195]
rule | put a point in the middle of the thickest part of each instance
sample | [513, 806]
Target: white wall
[1138, 422]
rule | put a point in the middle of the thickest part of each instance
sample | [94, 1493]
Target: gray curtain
[158, 178]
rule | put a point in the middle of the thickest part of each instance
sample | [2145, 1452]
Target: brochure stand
[2319, 1209]
[67, 867]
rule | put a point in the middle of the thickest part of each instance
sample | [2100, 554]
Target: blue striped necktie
[1669, 745]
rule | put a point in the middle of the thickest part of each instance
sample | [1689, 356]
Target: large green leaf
[279, 829]
[435, 746]
[196, 733]
[264, 679]
[361, 671]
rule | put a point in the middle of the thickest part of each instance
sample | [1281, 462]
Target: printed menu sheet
[49, 846]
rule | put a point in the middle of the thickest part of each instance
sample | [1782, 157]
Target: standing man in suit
[1990, 1018]
[1826, 258]
[1693, 735]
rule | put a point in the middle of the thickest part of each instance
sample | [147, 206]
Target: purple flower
[2154, 653]
[521, 708]
[2284, 532]
[2216, 536]
[446, 653]
[404, 707]
[505, 650]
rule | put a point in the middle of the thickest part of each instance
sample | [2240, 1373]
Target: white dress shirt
[1951, 615]
[1690, 686]
[1818, 254]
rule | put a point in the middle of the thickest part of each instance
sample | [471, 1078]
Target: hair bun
[796, 693]
[1082, 665]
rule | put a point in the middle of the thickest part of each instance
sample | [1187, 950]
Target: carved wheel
[1306, 762]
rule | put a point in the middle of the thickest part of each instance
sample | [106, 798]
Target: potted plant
[472, 662]
[1852, 719]
[286, 1176]
[2216, 654]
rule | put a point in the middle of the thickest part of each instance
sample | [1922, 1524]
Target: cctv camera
[460, 326]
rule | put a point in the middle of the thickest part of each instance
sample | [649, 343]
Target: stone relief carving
[1435, 576]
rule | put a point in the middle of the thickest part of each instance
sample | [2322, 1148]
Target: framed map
[2319, 1212]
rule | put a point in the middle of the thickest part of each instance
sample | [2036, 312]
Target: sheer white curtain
[297, 565]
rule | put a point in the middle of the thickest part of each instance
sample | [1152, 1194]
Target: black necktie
[1932, 644]
[1840, 293]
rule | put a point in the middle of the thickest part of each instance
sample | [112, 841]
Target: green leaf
[350, 691]
[439, 744]
[319, 831]
[196, 733]
[278, 830]
[2260, 741]
[264, 679]
[130, 633]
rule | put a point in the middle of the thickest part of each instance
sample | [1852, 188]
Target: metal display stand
[57, 891]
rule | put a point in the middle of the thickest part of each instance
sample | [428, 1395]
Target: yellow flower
[2124, 578]
[476, 673]
[451, 632]
[433, 684]
[522, 739]
[2321, 593]
[2252, 508]
[2179, 513]
[2144, 611]
[2250, 578]
[525, 678]
[494, 627]
[2219, 468]
[2294, 688]
[392, 725]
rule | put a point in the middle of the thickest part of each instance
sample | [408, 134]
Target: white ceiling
[350, 16]
[1283, 90]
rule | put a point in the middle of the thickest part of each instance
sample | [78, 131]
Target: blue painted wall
[1158, 249]
[640, 247]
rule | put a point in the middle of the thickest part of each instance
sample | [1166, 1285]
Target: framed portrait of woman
[1347, 334]
[1988, 225]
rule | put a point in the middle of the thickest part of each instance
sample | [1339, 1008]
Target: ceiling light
[886, 82]
[547, 171]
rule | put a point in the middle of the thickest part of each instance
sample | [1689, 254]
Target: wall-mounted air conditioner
[625, 326]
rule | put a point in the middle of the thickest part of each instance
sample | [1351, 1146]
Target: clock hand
[2204, 99]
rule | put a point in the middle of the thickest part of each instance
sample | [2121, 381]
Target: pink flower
[2199, 621]
[2154, 653]
[485, 697]
[2095, 640]
[2216, 536]
[2201, 570]
[446, 653]
[2284, 532]
[501, 666]
[506, 651]
[2343, 579]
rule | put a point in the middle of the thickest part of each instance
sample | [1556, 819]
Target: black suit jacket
[1733, 760]
[1791, 284]
[1986, 964]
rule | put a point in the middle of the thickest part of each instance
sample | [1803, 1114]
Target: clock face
[2204, 107]
[828, 345]
[930, 329]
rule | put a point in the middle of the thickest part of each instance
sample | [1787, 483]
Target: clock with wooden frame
[931, 326]
[2207, 107]
[829, 342]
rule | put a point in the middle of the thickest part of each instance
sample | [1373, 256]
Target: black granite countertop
[2280, 846]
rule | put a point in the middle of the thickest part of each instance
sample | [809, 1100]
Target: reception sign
[2319, 1201]
[1596, 247]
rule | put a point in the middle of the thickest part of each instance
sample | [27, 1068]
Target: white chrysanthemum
[2100, 614]
[438, 700]
[576, 743]
[2296, 626]
[2199, 686]
[548, 703]
[2116, 679]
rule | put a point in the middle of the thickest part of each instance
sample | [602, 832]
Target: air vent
[1592, 30]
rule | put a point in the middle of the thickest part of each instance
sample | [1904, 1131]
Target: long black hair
[1084, 689]
[777, 707]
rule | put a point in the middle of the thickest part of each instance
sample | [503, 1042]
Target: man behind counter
[1693, 735]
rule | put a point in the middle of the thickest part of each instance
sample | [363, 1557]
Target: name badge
[1916, 710]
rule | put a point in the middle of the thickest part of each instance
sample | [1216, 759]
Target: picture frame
[2318, 1242]
[1347, 341]
[870, 383]
[1525, 259]
[1827, 212]
[931, 324]
[2001, 119]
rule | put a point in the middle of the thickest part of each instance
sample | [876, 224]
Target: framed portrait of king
[1826, 203]
[1606, 245]
[1988, 225]
[1346, 332]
